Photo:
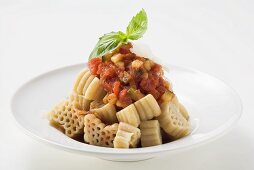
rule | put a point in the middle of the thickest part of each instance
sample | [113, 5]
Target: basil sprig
[110, 41]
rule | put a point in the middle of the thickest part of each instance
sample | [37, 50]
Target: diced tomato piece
[116, 87]
[93, 65]
[124, 97]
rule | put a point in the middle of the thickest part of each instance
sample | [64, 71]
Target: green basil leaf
[137, 26]
[108, 42]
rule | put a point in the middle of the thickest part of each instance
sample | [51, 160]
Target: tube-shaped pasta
[150, 133]
[79, 101]
[131, 129]
[67, 118]
[106, 113]
[172, 121]
[97, 133]
[122, 139]
[84, 81]
[169, 96]
[129, 115]
[78, 79]
[84, 85]
[147, 108]
[175, 101]
[94, 90]
[183, 111]
[127, 136]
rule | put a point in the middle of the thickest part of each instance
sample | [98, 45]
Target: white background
[213, 36]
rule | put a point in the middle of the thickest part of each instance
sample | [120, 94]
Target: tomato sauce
[118, 80]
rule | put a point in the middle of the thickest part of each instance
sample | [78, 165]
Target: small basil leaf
[137, 26]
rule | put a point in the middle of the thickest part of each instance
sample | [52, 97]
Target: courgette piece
[135, 94]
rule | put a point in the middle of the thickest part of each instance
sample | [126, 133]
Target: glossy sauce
[118, 79]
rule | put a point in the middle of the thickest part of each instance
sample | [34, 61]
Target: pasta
[81, 81]
[150, 133]
[183, 111]
[79, 101]
[122, 139]
[65, 117]
[94, 91]
[127, 136]
[97, 133]
[131, 129]
[129, 115]
[89, 86]
[171, 97]
[172, 121]
[106, 113]
[122, 101]
[83, 73]
[147, 108]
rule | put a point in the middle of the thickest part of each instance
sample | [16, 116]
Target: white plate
[214, 108]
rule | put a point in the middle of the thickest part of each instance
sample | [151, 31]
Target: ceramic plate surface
[213, 106]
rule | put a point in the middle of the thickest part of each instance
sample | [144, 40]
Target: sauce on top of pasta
[127, 77]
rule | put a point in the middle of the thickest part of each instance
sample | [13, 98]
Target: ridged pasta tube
[147, 108]
[97, 133]
[183, 111]
[172, 121]
[82, 81]
[127, 136]
[150, 133]
[106, 113]
[122, 139]
[169, 96]
[79, 101]
[85, 84]
[129, 115]
[84, 73]
[135, 138]
[65, 117]
[94, 90]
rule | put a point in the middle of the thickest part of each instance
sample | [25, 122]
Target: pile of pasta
[143, 123]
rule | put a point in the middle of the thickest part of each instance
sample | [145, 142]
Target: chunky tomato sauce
[130, 71]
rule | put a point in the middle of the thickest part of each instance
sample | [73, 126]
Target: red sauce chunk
[124, 72]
